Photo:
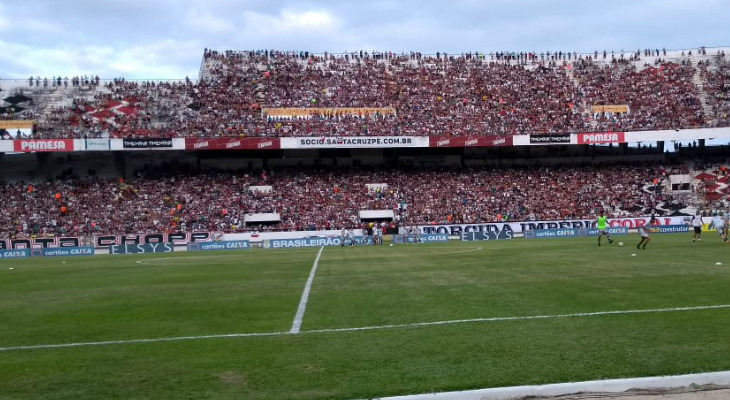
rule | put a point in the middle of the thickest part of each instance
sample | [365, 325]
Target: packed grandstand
[277, 94]
[271, 95]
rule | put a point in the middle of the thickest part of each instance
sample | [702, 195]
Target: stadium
[296, 225]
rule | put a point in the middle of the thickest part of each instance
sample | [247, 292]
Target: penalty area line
[369, 328]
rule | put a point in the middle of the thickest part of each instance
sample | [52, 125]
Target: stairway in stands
[703, 96]
[583, 105]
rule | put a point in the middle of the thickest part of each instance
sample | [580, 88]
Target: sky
[164, 39]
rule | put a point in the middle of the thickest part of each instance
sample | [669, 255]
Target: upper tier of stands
[449, 95]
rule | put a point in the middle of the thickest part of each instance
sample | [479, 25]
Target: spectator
[158, 201]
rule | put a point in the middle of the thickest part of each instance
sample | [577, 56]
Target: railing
[101, 81]
[201, 69]
[622, 53]
[618, 53]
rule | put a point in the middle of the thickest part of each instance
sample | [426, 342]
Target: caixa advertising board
[571, 232]
[17, 253]
[220, 245]
[64, 251]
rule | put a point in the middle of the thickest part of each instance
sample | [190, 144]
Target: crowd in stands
[57, 81]
[450, 95]
[120, 109]
[660, 96]
[316, 199]
[716, 83]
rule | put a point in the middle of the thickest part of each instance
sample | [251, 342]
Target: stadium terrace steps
[583, 105]
[710, 120]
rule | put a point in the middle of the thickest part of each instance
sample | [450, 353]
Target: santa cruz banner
[104, 241]
[147, 143]
[354, 142]
[232, 144]
[553, 138]
[523, 226]
[470, 141]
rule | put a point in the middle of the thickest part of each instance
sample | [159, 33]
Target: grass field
[521, 297]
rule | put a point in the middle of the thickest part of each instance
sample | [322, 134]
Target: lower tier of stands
[318, 199]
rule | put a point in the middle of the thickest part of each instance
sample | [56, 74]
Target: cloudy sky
[164, 39]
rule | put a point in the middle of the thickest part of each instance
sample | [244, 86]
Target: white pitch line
[297, 323]
[130, 341]
[518, 318]
[168, 261]
[173, 260]
[370, 328]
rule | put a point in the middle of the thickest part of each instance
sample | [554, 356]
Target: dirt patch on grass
[233, 380]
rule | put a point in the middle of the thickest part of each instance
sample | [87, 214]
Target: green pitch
[536, 311]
